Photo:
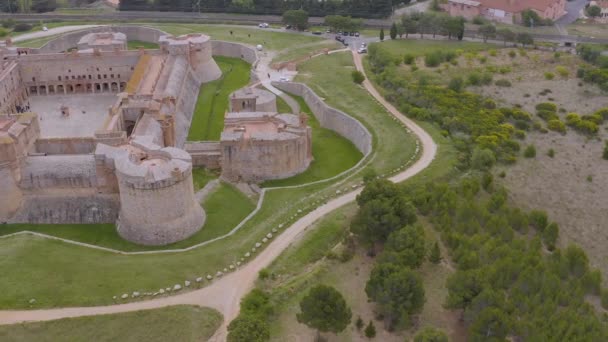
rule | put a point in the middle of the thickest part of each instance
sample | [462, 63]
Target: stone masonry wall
[331, 118]
[65, 145]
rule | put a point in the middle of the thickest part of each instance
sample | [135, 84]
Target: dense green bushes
[252, 322]
[505, 283]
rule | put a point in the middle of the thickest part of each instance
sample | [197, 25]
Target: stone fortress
[97, 134]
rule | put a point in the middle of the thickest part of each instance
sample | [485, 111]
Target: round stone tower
[197, 49]
[157, 204]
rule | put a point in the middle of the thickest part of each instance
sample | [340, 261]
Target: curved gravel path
[225, 294]
[51, 32]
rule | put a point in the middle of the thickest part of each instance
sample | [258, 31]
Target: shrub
[530, 151]
[512, 54]
[549, 75]
[547, 106]
[3, 33]
[357, 76]
[605, 154]
[474, 79]
[264, 274]
[590, 178]
[486, 78]
[483, 59]
[572, 119]
[22, 27]
[414, 68]
[556, 125]
[504, 70]
[483, 159]
[479, 20]
[603, 113]
[359, 323]
[456, 84]
[519, 134]
[551, 153]
[547, 115]
[522, 125]
[489, 104]
[433, 59]
[562, 71]
[409, 59]
[538, 219]
[502, 174]
[503, 83]
[604, 299]
[8, 23]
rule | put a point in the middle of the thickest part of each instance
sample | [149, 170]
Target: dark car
[288, 27]
[318, 33]
[345, 33]
[352, 34]
[339, 38]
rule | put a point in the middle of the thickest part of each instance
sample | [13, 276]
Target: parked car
[364, 45]
[288, 27]
[263, 25]
[362, 50]
[352, 34]
[356, 34]
[283, 79]
[339, 38]
[345, 33]
[318, 33]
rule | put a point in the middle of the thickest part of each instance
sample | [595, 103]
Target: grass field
[136, 44]
[220, 220]
[282, 106]
[174, 323]
[269, 39]
[416, 47]
[202, 176]
[392, 144]
[332, 153]
[208, 117]
[291, 54]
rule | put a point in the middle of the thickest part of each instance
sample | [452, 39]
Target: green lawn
[269, 39]
[332, 153]
[220, 220]
[173, 323]
[136, 44]
[393, 145]
[416, 47]
[291, 54]
[202, 176]
[208, 118]
[282, 106]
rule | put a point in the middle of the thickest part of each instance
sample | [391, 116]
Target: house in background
[505, 11]
[603, 4]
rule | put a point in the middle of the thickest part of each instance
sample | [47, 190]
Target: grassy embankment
[178, 323]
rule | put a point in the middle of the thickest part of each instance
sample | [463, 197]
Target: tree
[483, 159]
[506, 35]
[524, 39]
[359, 323]
[248, 328]
[370, 330]
[296, 18]
[393, 32]
[492, 324]
[430, 334]
[357, 76]
[382, 34]
[397, 291]
[405, 247]
[594, 11]
[409, 25]
[44, 5]
[325, 310]
[487, 31]
[435, 255]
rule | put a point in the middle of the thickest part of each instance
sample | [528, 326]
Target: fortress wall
[11, 197]
[185, 108]
[70, 40]
[66, 145]
[204, 153]
[59, 171]
[68, 208]
[12, 92]
[331, 118]
[255, 161]
[141, 220]
[68, 69]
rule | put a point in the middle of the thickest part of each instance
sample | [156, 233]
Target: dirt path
[225, 294]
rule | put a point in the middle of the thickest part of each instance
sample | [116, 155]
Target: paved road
[225, 294]
[573, 9]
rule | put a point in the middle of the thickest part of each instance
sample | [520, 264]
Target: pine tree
[370, 330]
[381, 34]
[435, 256]
[393, 32]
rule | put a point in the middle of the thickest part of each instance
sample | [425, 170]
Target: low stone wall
[331, 118]
[66, 145]
[204, 153]
[70, 40]
[59, 171]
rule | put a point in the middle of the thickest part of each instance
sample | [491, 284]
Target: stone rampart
[66, 145]
[331, 118]
[59, 171]
[236, 50]
[205, 153]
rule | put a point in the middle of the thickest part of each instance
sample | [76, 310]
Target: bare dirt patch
[572, 187]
